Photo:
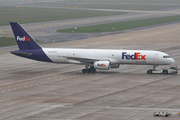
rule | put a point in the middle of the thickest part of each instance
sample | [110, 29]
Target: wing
[81, 59]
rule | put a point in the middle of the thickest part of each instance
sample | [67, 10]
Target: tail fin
[23, 39]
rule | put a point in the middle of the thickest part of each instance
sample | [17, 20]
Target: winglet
[23, 39]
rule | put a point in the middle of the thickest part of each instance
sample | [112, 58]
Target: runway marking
[36, 78]
[138, 108]
[40, 83]
[133, 113]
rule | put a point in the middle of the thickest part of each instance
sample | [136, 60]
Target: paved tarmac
[31, 90]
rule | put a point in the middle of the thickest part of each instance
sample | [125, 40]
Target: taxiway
[43, 91]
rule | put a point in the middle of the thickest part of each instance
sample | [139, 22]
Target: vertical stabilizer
[23, 39]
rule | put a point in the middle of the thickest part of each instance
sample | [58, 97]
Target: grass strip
[31, 15]
[113, 6]
[121, 25]
[7, 41]
[4, 42]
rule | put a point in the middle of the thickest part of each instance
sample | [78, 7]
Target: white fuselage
[101, 59]
[139, 57]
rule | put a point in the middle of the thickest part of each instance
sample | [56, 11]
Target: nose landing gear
[154, 67]
[150, 71]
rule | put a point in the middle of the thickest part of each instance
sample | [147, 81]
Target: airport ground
[45, 32]
[36, 90]
[32, 90]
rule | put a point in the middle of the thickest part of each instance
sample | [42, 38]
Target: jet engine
[102, 65]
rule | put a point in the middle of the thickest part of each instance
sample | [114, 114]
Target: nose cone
[172, 60]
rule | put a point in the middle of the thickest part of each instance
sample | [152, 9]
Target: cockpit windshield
[166, 57]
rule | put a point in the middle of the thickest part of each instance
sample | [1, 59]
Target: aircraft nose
[172, 60]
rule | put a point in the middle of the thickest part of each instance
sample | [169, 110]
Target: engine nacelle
[102, 65]
[115, 66]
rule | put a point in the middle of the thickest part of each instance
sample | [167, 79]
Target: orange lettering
[137, 56]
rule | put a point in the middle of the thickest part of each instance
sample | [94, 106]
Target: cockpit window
[166, 57]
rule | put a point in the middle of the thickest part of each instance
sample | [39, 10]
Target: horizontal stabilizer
[21, 53]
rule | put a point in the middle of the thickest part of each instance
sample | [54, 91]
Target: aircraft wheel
[89, 70]
[84, 70]
[93, 70]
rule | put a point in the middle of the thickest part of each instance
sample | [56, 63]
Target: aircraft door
[156, 58]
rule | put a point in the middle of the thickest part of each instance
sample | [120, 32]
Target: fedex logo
[103, 65]
[135, 56]
[23, 38]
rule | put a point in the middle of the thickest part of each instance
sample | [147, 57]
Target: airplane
[102, 59]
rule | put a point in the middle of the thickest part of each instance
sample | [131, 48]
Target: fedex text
[103, 65]
[25, 38]
[135, 56]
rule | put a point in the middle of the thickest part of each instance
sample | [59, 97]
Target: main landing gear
[88, 70]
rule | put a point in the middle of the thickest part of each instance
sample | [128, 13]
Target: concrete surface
[31, 90]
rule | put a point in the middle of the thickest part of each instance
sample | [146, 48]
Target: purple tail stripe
[23, 39]
[28, 48]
